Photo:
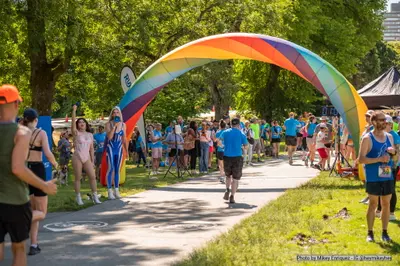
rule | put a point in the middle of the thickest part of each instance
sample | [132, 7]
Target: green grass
[266, 238]
[137, 180]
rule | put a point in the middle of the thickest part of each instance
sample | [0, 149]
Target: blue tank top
[378, 149]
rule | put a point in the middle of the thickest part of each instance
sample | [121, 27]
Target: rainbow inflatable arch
[272, 50]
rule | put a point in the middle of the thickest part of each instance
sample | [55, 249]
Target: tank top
[12, 189]
[378, 149]
[116, 141]
[83, 142]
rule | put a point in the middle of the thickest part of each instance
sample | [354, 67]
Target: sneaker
[231, 199]
[378, 215]
[96, 198]
[392, 217]
[34, 250]
[222, 179]
[386, 238]
[367, 202]
[370, 238]
[291, 161]
[226, 195]
[317, 166]
[364, 200]
[117, 195]
[111, 194]
[79, 199]
[306, 162]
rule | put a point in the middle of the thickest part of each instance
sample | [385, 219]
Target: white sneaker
[392, 217]
[117, 195]
[110, 194]
[153, 178]
[79, 199]
[96, 198]
[378, 215]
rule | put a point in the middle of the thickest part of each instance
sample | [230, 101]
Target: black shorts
[186, 152]
[15, 220]
[233, 167]
[38, 169]
[172, 153]
[291, 141]
[220, 155]
[299, 135]
[98, 156]
[276, 140]
[380, 188]
[328, 145]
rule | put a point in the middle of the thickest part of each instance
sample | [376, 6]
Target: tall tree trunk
[221, 107]
[268, 93]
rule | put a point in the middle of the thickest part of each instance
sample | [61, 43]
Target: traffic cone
[66, 118]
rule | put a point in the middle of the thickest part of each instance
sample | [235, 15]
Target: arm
[19, 156]
[109, 130]
[91, 151]
[364, 149]
[46, 149]
[125, 142]
[73, 124]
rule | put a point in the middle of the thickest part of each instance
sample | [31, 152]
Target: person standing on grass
[174, 142]
[220, 151]
[192, 138]
[64, 147]
[396, 142]
[99, 139]
[38, 144]
[276, 133]
[290, 127]
[83, 158]
[156, 150]
[375, 153]
[255, 127]
[310, 128]
[233, 141]
[328, 136]
[248, 153]
[15, 207]
[205, 138]
[321, 148]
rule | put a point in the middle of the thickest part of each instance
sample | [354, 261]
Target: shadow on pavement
[222, 189]
[240, 206]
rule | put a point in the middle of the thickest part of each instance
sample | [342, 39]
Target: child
[320, 145]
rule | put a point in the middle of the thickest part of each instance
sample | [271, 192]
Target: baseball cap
[370, 112]
[225, 117]
[322, 125]
[30, 113]
[235, 122]
[388, 119]
[9, 94]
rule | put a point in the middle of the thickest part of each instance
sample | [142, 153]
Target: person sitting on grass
[321, 148]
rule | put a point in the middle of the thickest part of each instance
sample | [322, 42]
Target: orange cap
[9, 94]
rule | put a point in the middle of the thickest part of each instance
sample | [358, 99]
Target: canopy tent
[383, 91]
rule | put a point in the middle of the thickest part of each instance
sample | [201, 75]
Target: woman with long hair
[83, 157]
[276, 133]
[310, 129]
[38, 144]
[117, 146]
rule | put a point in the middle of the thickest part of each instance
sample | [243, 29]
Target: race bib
[385, 171]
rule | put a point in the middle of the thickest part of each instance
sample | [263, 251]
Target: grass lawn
[294, 224]
[137, 180]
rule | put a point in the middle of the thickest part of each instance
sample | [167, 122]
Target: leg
[373, 203]
[110, 169]
[221, 167]
[1, 251]
[77, 166]
[250, 152]
[118, 157]
[385, 201]
[393, 200]
[206, 158]
[19, 253]
[88, 167]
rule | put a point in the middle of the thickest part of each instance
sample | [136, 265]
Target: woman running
[38, 144]
[116, 147]
[276, 132]
[310, 128]
[220, 151]
[83, 158]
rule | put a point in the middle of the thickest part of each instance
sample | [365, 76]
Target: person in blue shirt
[290, 127]
[276, 133]
[156, 147]
[220, 151]
[376, 150]
[140, 149]
[310, 127]
[396, 142]
[233, 141]
[99, 139]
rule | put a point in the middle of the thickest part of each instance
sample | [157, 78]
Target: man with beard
[375, 151]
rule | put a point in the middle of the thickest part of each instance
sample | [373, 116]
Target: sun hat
[9, 94]
[322, 125]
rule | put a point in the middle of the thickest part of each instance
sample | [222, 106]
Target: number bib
[385, 171]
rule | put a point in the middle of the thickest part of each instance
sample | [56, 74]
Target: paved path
[163, 225]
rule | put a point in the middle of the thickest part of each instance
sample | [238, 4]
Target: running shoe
[291, 161]
[226, 195]
[378, 215]
[318, 167]
[364, 200]
[222, 179]
[231, 199]
[392, 217]
[34, 250]
[386, 238]
[306, 162]
[370, 238]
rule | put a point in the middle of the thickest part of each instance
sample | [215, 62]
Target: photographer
[174, 142]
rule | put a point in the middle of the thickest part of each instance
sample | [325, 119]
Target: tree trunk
[269, 92]
[221, 107]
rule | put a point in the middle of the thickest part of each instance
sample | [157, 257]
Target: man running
[290, 126]
[15, 210]
[233, 140]
[375, 151]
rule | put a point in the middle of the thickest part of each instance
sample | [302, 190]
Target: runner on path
[290, 126]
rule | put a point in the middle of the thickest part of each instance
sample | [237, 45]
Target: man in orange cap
[15, 210]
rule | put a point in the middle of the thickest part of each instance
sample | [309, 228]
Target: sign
[329, 111]
[44, 123]
[74, 226]
[127, 78]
